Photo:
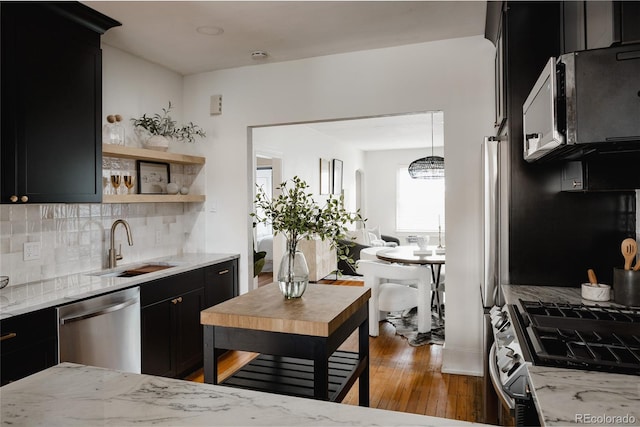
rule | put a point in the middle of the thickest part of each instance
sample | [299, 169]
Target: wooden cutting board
[146, 269]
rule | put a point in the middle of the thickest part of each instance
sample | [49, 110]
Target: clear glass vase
[293, 275]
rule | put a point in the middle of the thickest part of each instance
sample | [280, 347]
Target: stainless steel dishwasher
[103, 331]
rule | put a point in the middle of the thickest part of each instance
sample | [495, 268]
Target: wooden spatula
[593, 280]
[629, 249]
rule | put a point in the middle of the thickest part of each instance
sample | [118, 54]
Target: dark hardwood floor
[402, 378]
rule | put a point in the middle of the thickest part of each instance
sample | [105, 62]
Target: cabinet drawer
[170, 287]
[221, 282]
[27, 329]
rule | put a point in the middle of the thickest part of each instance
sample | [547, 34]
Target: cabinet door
[51, 107]
[221, 282]
[158, 339]
[189, 331]
[27, 344]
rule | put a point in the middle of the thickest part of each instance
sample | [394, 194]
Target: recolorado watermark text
[605, 419]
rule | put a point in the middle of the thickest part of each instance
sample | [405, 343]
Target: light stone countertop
[573, 396]
[28, 297]
[77, 395]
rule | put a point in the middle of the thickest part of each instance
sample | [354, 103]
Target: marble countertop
[28, 297]
[572, 396]
[70, 395]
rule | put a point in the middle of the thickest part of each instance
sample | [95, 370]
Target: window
[419, 203]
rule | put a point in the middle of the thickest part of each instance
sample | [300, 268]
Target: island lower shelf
[294, 377]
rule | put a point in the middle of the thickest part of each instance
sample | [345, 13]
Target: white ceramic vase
[157, 142]
[172, 188]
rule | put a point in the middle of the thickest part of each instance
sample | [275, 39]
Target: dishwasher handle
[99, 312]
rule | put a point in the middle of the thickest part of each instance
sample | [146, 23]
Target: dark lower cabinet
[221, 282]
[28, 344]
[170, 318]
[172, 335]
[170, 322]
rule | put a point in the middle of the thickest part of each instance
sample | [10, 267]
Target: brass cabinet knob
[13, 198]
[24, 199]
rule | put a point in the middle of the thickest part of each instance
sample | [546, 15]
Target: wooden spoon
[592, 277]
[629, 249]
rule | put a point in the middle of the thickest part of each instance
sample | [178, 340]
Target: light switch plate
[31, 251]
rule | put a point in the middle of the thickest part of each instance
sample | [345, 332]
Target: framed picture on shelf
[153, 177]
[325, 176]
[337, 176]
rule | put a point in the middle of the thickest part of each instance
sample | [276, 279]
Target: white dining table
[433, 257]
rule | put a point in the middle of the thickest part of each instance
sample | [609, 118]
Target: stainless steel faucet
[113, 256]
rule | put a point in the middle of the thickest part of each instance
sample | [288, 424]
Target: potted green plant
[296, 215]
[156, 130]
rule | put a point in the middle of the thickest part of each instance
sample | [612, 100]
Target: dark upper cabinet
[598, 24]
[583, 228]
[51, 85]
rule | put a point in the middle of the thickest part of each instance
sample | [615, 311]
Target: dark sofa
[354, 253]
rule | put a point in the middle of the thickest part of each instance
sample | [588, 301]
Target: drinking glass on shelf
[106, 182]
[129, 180]
[115, 182]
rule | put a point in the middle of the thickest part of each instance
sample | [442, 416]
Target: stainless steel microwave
[584, 102]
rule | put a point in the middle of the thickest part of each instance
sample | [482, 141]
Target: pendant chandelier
[430, 167]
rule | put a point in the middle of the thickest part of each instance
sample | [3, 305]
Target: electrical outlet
[31, 251]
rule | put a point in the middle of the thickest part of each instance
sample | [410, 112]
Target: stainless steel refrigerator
[494, 250]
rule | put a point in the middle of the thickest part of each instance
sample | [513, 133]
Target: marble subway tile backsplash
[75, 238]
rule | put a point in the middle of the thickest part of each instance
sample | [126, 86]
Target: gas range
[574, 336]
[596, 338]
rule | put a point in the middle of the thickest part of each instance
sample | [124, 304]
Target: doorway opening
[370, 151]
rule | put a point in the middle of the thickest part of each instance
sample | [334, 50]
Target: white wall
[380, 169]
[132, 86]
[301, 149]
[455, 76]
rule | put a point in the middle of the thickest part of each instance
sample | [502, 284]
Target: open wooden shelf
[133, 153]
[153, 198]
[123, 152]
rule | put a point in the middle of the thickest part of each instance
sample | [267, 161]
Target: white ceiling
[165, 32]
[384, 133]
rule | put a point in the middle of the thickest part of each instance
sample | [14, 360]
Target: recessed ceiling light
[259, 54]
[210, 30]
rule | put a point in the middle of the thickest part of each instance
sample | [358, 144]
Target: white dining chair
[388, 295]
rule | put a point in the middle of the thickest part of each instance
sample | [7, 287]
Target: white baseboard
[461, 362]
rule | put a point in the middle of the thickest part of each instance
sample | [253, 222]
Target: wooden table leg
[210, 359]
[363, 354]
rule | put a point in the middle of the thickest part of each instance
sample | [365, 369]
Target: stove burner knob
[499, 319]
[500, 324]
[508, 362]
[504, 352]
[504, 326]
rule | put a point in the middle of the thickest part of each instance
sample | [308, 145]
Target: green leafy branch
[164, 125]
[296, 215]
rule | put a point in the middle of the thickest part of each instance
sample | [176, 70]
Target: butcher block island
[297, 339]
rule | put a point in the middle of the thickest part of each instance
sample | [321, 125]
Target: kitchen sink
[135, 271]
